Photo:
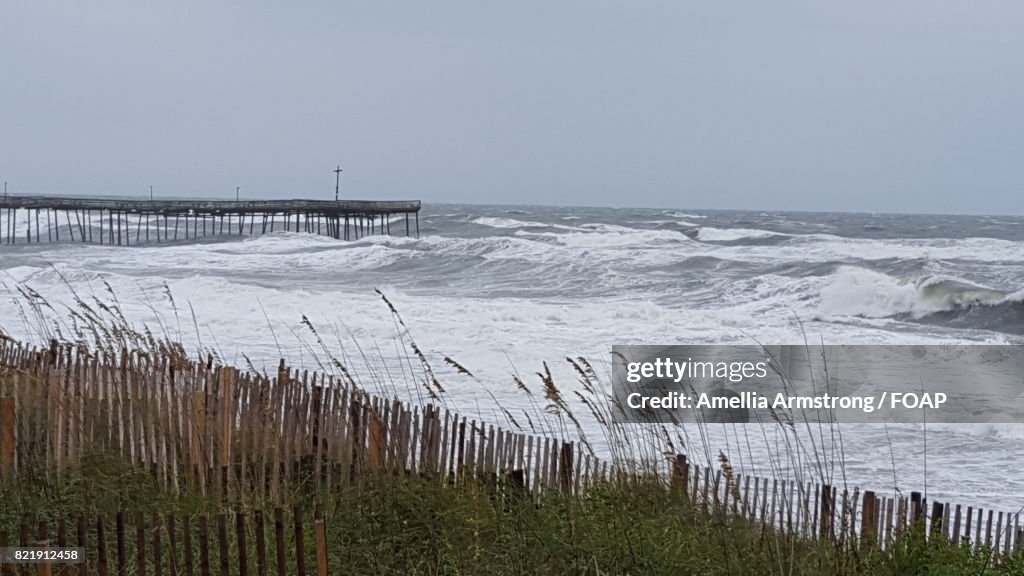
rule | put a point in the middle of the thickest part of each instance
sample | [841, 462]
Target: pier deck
[118, 221]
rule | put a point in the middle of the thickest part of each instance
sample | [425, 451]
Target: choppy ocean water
[504, 289]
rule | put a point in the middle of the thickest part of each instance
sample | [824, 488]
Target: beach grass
[411, 524]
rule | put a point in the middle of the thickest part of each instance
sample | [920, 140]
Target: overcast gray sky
[868, 105]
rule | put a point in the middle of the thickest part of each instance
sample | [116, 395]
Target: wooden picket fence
[812, 510]
[282, 542]
[249, 437]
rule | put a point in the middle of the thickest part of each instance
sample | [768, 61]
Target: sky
[910, 106]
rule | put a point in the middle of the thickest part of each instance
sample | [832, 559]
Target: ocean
[504, 290]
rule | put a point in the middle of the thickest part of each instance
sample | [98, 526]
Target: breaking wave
[710, 234]
[932, 299]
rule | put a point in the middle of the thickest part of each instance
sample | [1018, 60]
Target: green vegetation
[415, 525]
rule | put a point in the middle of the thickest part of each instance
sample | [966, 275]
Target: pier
[126, 222]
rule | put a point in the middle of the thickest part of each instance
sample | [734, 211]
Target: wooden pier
[126, 222]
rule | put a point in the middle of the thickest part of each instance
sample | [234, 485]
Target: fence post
[261, 545]
[222, 544]
[199, 449]
[140, 544]
[827, 510]
[300, 546]
[8, 440]
[279, 541]
[915, 507]
[938, 511]
[565, 468]
[680, 473]
[868, 521]
[227, 413]
[204, 546]
[355, 433]
[243, 554]
[375, 448]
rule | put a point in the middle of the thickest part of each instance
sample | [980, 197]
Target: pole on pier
[238, 193]
[150, 193]
[337, 181]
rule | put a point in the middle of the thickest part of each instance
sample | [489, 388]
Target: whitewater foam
[856, 291]
[710, 234]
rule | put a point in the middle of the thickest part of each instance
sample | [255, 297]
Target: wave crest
[711, 234]
[855, 291]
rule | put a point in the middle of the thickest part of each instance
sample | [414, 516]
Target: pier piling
[110, 221]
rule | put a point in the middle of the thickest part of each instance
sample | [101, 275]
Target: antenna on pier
[150, 193]
[337, 181]
[238, 193]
